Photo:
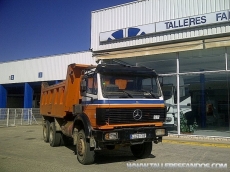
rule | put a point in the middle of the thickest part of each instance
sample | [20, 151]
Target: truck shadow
[116, 156]
[110, 156]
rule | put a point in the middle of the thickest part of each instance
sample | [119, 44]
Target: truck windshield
[130, 86]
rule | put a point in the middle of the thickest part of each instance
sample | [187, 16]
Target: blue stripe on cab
[125, 102]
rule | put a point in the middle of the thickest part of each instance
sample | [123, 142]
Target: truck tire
[84, 154]
[141, 150]
[55, 138]
[46, 131]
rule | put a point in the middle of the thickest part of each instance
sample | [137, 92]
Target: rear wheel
[46, 131]
[84, 154]
[142, 150]
[55, 138]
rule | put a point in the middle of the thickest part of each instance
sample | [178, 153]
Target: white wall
[52, 67]
[145, 12]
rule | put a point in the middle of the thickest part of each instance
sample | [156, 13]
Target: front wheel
[141, 150]
[84, 154]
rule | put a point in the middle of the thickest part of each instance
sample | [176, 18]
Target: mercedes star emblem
[137, 114]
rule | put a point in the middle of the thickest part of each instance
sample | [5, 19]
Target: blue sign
[127, 32]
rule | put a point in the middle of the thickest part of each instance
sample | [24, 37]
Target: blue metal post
[28, 96]
[28, 100]
[202, 101]
[3, 101]
[3, 97]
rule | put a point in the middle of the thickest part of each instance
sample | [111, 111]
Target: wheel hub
[81, 147]
[44, 131]
[51, 135]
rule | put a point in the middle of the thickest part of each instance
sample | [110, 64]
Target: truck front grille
[130, 115]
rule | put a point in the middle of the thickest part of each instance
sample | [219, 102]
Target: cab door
[90, 98]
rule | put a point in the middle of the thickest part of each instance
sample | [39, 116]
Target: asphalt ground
[22, 149]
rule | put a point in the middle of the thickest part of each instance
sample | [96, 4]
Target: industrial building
[186, 41]
[20, 83]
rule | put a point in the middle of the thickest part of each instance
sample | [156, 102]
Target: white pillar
[178, 94]
[7, 117]
[226, 59]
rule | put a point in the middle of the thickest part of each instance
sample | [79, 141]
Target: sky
[36, 28]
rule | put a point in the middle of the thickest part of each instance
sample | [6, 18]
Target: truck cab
[110, 86]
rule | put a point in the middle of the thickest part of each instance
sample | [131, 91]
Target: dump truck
[106, 106]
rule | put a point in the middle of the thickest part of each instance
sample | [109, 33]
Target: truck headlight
[160, 132]
[111, 136]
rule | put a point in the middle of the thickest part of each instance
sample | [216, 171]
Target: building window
[39, 74]
[11, 77]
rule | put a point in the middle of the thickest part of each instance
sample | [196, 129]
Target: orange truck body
[58, 100]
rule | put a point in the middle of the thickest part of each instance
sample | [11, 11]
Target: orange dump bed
[58, 100]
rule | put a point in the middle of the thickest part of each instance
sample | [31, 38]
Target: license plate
[138, 136]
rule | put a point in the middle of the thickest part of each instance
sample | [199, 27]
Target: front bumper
[124, 135]
[170, 127]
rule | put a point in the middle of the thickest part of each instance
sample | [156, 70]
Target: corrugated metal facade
[151, 11]
[42, 69]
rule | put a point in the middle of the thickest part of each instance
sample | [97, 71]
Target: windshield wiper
[128, 94]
